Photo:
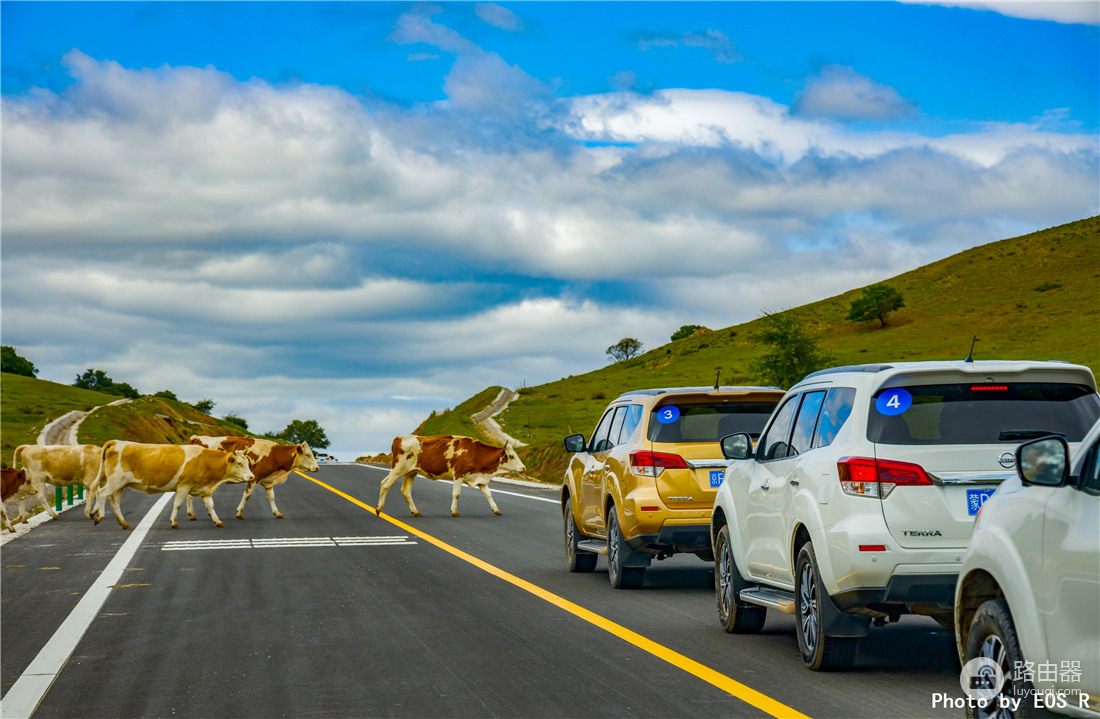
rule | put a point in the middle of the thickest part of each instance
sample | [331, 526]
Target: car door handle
[765, 487]
[794, 482]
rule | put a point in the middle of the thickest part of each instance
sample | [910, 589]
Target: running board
[595, 546]
[770, 598]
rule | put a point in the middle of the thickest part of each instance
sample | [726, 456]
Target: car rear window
[969, 413]
[708, 422]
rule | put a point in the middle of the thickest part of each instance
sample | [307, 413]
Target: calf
[62, 465]
[271, 463]
[462, 459]
[187, 470]
[11, 481]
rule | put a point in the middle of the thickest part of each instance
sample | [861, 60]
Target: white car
[1028, 596]
[857, 503]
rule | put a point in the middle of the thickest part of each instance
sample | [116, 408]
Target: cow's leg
[388, 482]
[89, 497]
[4, 516]
[22, 510]
[270, 492]
[208, 500]
[244, 498]
[454, 497]
[407, 493]
[44, 498]
[489, 496]
[191, 508]
[115, 496]
[177, 502]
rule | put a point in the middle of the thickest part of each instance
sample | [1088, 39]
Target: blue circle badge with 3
[893, 402]
[668, 415]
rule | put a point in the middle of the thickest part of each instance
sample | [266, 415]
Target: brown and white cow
[272, 464]
[187, 470]
[11, 481]
[60, 465]
[462, 459]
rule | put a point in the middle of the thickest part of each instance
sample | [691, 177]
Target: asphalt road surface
[334, 612]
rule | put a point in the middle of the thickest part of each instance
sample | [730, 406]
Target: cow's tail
[101, 476]
[17, 456]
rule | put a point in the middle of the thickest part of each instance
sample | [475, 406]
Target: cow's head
[511, 462]
[239, 469]
[304, 459]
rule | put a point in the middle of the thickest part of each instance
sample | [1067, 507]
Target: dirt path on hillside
[484, 418]
[64, 429]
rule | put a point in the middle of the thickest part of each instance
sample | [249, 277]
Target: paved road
[366, 618]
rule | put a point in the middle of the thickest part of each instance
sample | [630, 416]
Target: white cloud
[841, 93]
[719, 46]
[1075, 12]
[498, 16]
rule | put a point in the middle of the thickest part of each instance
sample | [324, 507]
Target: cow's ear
[299, 448]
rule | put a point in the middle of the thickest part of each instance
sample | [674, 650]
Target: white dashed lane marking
[188, 545]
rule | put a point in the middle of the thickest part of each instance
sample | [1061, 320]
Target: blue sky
[361, 212]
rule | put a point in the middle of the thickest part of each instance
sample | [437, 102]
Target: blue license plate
[975, 498]
[716, 476]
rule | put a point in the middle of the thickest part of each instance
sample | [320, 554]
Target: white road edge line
[505, 480]
[526, 496]
[23, 698]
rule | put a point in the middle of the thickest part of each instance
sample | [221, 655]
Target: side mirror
[737, 446]
[1043, 462]
[574, 443]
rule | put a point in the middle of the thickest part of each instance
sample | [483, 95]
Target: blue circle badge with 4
[668, 415]
[893, 402]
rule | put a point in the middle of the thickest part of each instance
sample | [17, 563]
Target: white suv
[858, 501]
[1028, 596]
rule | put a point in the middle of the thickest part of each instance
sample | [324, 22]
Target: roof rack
[868, 368]
[665, 390]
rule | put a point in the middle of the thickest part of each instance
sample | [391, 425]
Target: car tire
[617, 550]
[993, 635]
[735, 616]
[575, 559]
[819, 651]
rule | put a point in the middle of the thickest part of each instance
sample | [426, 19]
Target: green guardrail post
[80, 491]
[57, 498]
[70, 495]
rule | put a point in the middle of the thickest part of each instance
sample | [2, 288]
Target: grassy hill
[28, 404]
[1031, 297]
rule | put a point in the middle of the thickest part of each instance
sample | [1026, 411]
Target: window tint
[774, 444]
[984, 414]
[617, 425]
[633, 419]
[834, 413]
[1090, 470]
[599, 441]
[709, 422]
[806, 422]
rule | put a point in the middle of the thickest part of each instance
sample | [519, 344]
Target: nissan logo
[1007, 460]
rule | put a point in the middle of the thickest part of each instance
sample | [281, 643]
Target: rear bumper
[673, 539]
[901, 589]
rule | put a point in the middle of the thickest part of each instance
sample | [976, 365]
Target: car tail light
[872, 547]
[868, 477]
[651, 464]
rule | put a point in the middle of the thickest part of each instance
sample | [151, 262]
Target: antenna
[970, 357]
[716, 376]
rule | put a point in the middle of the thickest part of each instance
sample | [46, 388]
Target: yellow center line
[723, 682]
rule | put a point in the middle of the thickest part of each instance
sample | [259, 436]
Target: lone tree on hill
[308, 431]
[791, 350]
[624, 349]
[13, 363]
[875, 303]
[685, 331]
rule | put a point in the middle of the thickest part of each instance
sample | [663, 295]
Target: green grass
[1031, 297]
[457, 421]
[28, 404]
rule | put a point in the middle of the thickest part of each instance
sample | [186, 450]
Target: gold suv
[643, 485]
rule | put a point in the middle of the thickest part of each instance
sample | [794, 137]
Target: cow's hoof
[174, 526]
[278, 515]
[126, 527]
[218, 524]
[378, 512]
[454, 514]
[497, 512]
[240, 516]
[192, 517]
[417, 514]
[96, 521]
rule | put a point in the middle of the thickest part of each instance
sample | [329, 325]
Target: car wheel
[575, 559]
[735, 616]
[819, 651]
[621, 577]
[993, 636]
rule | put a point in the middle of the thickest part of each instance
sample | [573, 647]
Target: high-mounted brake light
[651, 464]
[869, 477]
[988, 387]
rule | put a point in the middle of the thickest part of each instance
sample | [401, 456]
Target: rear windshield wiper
[1017, 434]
